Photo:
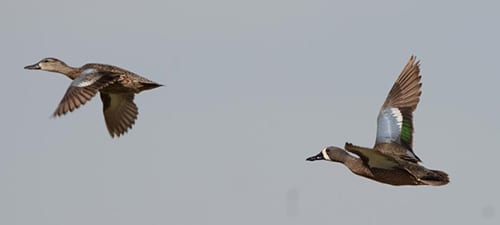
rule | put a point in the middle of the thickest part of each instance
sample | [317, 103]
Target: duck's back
[127, 81]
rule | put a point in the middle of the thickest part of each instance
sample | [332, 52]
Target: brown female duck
[391, 160]
[116, 86]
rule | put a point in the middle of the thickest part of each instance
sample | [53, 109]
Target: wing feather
[120, 112]
[395, 119]
[81, 90]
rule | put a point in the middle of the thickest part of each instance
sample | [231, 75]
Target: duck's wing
[371, 158]
[82, 89]
[395, 119]
[120, 112]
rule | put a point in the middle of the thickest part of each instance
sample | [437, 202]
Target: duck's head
[48, 64]
[330, 153]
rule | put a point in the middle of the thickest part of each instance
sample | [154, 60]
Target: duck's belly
[394, 177]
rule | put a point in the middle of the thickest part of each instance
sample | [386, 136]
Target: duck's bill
[32, 67]
[316, 157]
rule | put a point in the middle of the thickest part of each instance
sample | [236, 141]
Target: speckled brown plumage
[117, 87]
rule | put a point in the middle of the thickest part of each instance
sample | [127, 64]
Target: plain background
[252, 89]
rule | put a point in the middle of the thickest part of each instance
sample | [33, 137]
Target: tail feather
[149, 86]
[435, 178]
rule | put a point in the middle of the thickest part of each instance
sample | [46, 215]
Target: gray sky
[252, 89]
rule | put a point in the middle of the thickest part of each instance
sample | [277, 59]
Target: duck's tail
[435, 178]
[149, 86]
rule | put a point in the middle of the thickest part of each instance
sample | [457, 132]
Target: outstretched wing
[395, 120]
[120, 112]
[82, 89]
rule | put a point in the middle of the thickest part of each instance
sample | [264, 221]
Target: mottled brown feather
[120, 112]
[115, 81]
[406, 91]
[77, 96]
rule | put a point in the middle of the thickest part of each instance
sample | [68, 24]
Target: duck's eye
[47, 60]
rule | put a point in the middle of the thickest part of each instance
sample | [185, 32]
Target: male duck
[116, 86]
[392, 160]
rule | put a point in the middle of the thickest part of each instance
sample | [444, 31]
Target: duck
[117, 88]
[392, 160]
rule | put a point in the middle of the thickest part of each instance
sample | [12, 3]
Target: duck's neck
[70, 72]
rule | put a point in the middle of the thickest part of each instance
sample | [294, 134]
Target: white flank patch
[325, 155]
[396, 113]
